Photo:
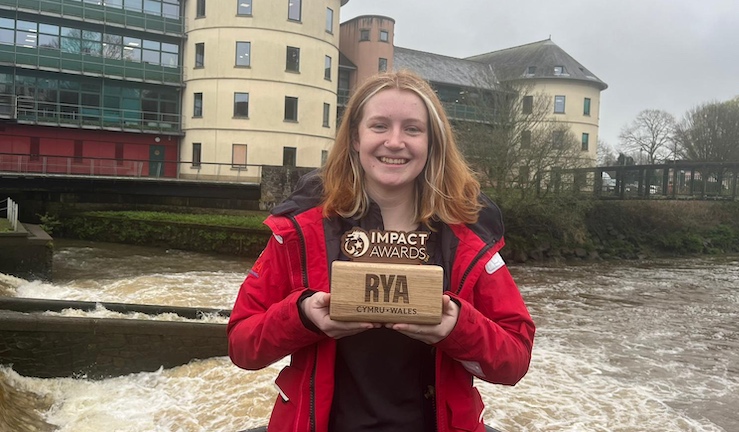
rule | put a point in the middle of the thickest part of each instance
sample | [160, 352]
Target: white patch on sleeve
[282, 394]
[494, 264]
[278, 238]
[473, 368]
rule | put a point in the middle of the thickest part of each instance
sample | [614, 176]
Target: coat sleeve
[265, 323]
[494, 333]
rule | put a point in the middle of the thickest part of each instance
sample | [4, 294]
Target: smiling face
[392, 142]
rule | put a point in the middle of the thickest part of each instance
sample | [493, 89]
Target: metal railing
[676, 180]
[38, 165]
[11, 212]
[25, 109]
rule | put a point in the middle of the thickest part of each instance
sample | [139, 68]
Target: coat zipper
[304, 275]
[477, 257]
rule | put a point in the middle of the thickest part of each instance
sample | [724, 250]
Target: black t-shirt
[384, 380]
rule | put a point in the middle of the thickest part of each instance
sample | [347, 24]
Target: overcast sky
[670, 55]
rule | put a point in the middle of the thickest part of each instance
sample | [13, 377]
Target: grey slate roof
[445, 70]
[512, 63]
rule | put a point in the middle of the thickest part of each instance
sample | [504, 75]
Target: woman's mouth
[393, 161]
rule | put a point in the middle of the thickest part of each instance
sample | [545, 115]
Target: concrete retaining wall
[57, 346]
[26, 253]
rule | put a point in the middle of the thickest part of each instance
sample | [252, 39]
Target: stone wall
[277, 184]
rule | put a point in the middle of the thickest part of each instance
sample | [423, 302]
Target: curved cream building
[260, 85]
[548, 69]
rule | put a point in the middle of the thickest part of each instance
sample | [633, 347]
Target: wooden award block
[390, 293]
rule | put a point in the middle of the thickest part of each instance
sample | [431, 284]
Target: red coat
[492, 339]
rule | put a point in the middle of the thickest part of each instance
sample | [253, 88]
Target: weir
[43, 345]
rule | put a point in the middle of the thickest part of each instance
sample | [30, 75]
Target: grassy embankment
[536, 229]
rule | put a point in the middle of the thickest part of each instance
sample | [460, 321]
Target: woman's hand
[432, 333]
[315, 308]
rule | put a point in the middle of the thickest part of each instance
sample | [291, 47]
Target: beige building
[260, 85]
[545, 68]
[367, 42]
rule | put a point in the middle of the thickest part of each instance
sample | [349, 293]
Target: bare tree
[515, 139]
[710, 132]
[607, 155]
[650, 135]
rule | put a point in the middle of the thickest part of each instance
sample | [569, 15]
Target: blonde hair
[446, 190]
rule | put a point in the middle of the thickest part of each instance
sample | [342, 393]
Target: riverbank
[536, 230]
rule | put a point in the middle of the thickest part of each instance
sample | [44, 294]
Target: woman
[394, 166]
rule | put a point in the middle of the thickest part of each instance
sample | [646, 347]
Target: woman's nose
[395, 140]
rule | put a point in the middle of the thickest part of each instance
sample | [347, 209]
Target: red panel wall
[97, 146]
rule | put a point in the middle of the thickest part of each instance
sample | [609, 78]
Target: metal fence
[114, 167]
[678, 180]
[11, 212]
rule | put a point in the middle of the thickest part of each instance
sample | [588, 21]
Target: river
[649, 345]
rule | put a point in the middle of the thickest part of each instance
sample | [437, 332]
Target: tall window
[559, 104]
[585, 141]
[329, 20]
[243, 53]
[293, 10]
[586, 107]
[197, 106]
[364, 35]
[327, 68]
[384, 36]
[199, 55]
[292, 63]
[382, 66]
[324, 157]
[238, 156]
[78, 145]
[244, 7]
[291, 108]
[528, 105]
[289, 156]
[197, 149]
[525, 139]
[326, 114]
[200, 9]
[241, 104]
[119, 153]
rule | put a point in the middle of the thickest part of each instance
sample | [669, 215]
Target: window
[324, 157]
[244, 7]
[326, 114]
[523, 175]
[531, 70]
[327, 68]
[559, 70]
[384, 36]
[200, 9]
[197, 106]
[199, 55]
[528, 105]
[559, 104]
[329, 20]
[119, 153]
[382, 66]
[197, 150]
[289, 154]
[293, 59]
[243, 53]
[525, 139]
[364, 35]
[291, 108]
[585, 141]
[293, 10]
[586, 107]
[241, 104]
[238, 156]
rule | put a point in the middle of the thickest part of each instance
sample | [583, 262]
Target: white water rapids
[621, 346]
